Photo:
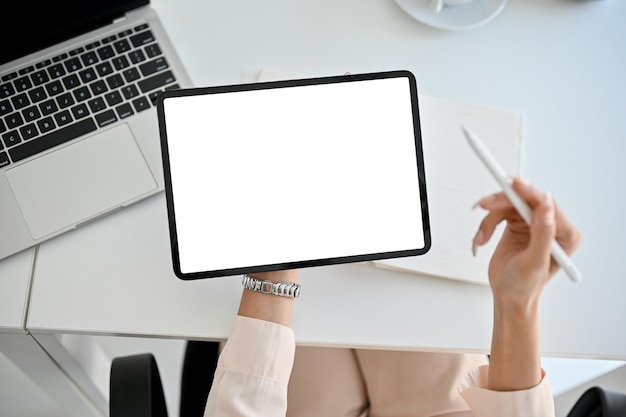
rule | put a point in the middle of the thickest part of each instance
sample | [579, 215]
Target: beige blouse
[255, 365]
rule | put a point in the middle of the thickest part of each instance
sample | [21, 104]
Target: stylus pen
[558, 254]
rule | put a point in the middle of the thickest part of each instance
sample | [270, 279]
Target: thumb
[542, 234]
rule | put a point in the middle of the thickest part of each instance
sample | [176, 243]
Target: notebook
[284, 175]
[456, 179]
[78, 128]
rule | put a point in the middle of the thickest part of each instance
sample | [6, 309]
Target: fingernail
[524, 182]
[484, 200]
[548, 217]
[478, 240]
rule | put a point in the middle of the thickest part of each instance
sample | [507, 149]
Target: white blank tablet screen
[294, 174]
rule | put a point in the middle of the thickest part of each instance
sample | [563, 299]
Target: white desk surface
[15, 273]
[559, 61]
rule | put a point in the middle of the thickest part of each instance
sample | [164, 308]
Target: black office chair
[599, 402]
[136, 389]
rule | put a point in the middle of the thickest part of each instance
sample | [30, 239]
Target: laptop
[78, 127]
[293, 174]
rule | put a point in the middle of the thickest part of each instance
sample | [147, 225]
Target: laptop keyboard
[75, 93]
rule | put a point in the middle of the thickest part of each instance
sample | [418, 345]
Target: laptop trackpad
[85, 179]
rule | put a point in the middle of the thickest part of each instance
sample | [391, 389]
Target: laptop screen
[35, 25]
[294, 174]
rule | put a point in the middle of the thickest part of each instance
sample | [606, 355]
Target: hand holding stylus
[519, 203]
[522, 262]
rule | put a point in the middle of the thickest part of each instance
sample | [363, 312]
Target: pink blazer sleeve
[536, 401]
[253, 371]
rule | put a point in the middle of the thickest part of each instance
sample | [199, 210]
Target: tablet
[293, 174]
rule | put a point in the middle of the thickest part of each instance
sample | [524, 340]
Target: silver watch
[283, 289]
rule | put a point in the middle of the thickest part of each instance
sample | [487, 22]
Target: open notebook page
[455, 180]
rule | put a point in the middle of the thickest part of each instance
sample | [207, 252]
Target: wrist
[516, 305]
[515, 352]
[269, 307]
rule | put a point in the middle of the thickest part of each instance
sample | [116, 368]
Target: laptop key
[73, 64]
[31, 113]
[156, 81]
[63, 118]
[105, 52]
[131, 75]
[5, 107]
[22, 84]
[59, 58]
[3, 128]
[52, 139]
[80, 111]
[89, 58]
[46, 125]
[43, 63]
[113, 98]
[142, 38]
[97, 104]
[82, 93]
[29, 131]
[124, 111]
[122, 46]
[98, 87]
[106, 118]
[120, 62]
[37, 94]
[104, 69]
[109, 39]
[56, 71]
[88, 75]
[71, 81]
[48, 107]
[40, 77]
[153, 50]
[141, 104]
[130, 91]
[153, 96]
[136, 56]
[26, 70]
[115, 81]
[77, 51]
[92, 45]
[54, 88]
[153, 66]
[11, 138]
[14, 120]
[4, 159]
[6, 90]
[20, 101]
[65, 100]
[9, 76]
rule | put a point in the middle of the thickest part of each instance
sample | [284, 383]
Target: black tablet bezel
[286, 84]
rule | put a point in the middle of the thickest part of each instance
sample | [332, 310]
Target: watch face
[293, 174]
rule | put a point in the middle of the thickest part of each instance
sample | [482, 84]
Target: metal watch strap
[283, 289]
